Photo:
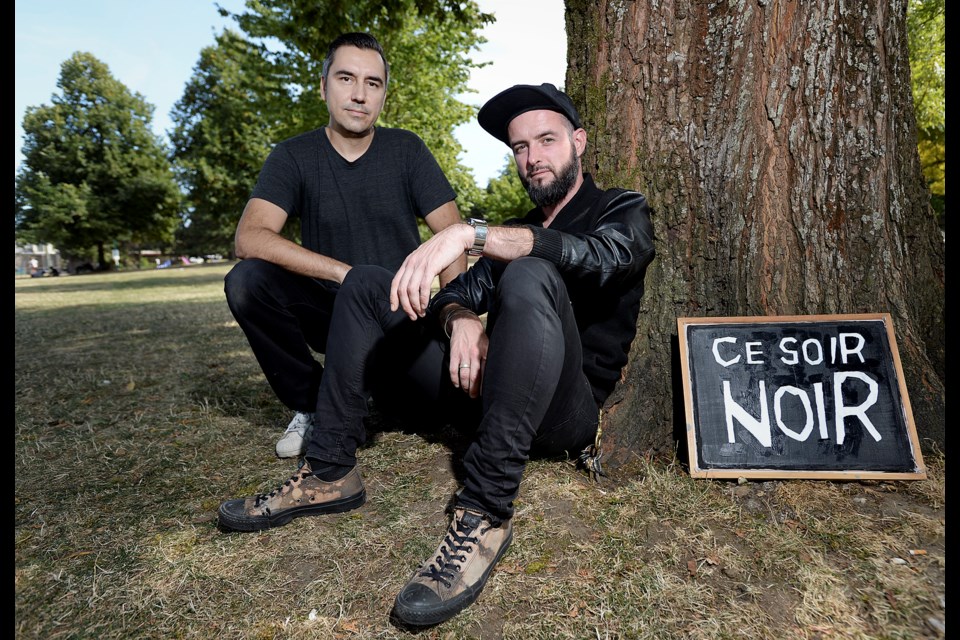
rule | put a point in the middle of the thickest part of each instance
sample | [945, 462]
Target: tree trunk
[776, 142]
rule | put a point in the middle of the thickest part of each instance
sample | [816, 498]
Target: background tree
[221, 137]
[505, 197]
[927, 37]
[776, 141]
[93, 174]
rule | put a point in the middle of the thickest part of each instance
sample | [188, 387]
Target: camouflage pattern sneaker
[303, 494]
[454, 577]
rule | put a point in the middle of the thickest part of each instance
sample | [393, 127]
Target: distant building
[46, 255]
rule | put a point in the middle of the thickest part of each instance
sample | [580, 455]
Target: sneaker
[454, 577]
[293, 443]
[303, 494]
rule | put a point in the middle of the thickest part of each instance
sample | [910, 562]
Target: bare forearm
[503, 243]
[508, 243]
[273, 247]
[456, 268]
[439, 219]
[411, 287]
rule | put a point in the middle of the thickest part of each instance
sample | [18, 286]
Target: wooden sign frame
[701, 468]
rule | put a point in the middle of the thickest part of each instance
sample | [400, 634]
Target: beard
[549, 194]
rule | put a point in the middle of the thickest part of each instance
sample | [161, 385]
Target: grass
[139, 408]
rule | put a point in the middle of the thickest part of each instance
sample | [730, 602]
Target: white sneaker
[294, 440]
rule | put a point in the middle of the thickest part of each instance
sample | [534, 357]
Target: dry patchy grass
[139, 408]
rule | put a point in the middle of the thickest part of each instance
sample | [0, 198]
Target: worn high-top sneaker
[303, 494]
[453, 578]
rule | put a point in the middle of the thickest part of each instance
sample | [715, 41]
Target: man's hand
[410, 288]
[468, 352]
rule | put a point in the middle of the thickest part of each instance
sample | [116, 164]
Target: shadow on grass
[453, 429]
[455, 434]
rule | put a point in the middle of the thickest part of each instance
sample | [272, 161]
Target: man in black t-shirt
[357, 190]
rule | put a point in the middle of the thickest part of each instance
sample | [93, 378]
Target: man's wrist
[479, 236]
[454, 313]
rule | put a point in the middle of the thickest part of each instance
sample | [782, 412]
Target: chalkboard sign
[797, 396]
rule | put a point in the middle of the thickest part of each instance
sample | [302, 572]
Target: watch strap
[479, 237]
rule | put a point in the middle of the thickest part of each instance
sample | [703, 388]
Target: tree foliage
[221, 137]
[93, 173]
[505, 197]
[927, 38]
[428, 44]
[263, 85]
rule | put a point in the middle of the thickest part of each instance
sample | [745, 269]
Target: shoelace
[453, 549]
[298, 425]
[296, 477]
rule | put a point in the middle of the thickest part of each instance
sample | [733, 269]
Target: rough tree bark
[776, 142]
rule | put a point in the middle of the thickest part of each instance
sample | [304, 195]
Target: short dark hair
[360, 41]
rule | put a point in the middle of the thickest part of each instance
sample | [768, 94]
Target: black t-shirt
[361, 212]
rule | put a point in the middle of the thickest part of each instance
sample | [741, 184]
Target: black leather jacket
[601, 242]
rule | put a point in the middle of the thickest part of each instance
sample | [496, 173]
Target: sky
[152, 47]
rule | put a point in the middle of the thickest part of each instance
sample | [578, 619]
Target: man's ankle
[327, 471]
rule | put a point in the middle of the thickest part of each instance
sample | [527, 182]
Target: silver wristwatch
[479, 237]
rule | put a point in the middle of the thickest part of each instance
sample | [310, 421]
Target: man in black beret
[561, 290]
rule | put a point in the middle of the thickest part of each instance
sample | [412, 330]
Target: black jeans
[284, 315]
[535, 398]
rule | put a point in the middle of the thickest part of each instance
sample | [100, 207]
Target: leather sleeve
[471, 289]
[617, 249]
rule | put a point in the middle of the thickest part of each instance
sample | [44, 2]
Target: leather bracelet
[451, 315]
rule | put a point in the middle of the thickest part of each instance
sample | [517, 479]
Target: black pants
[535, 399]
[284, 316]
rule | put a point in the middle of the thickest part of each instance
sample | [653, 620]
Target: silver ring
[464, 366]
